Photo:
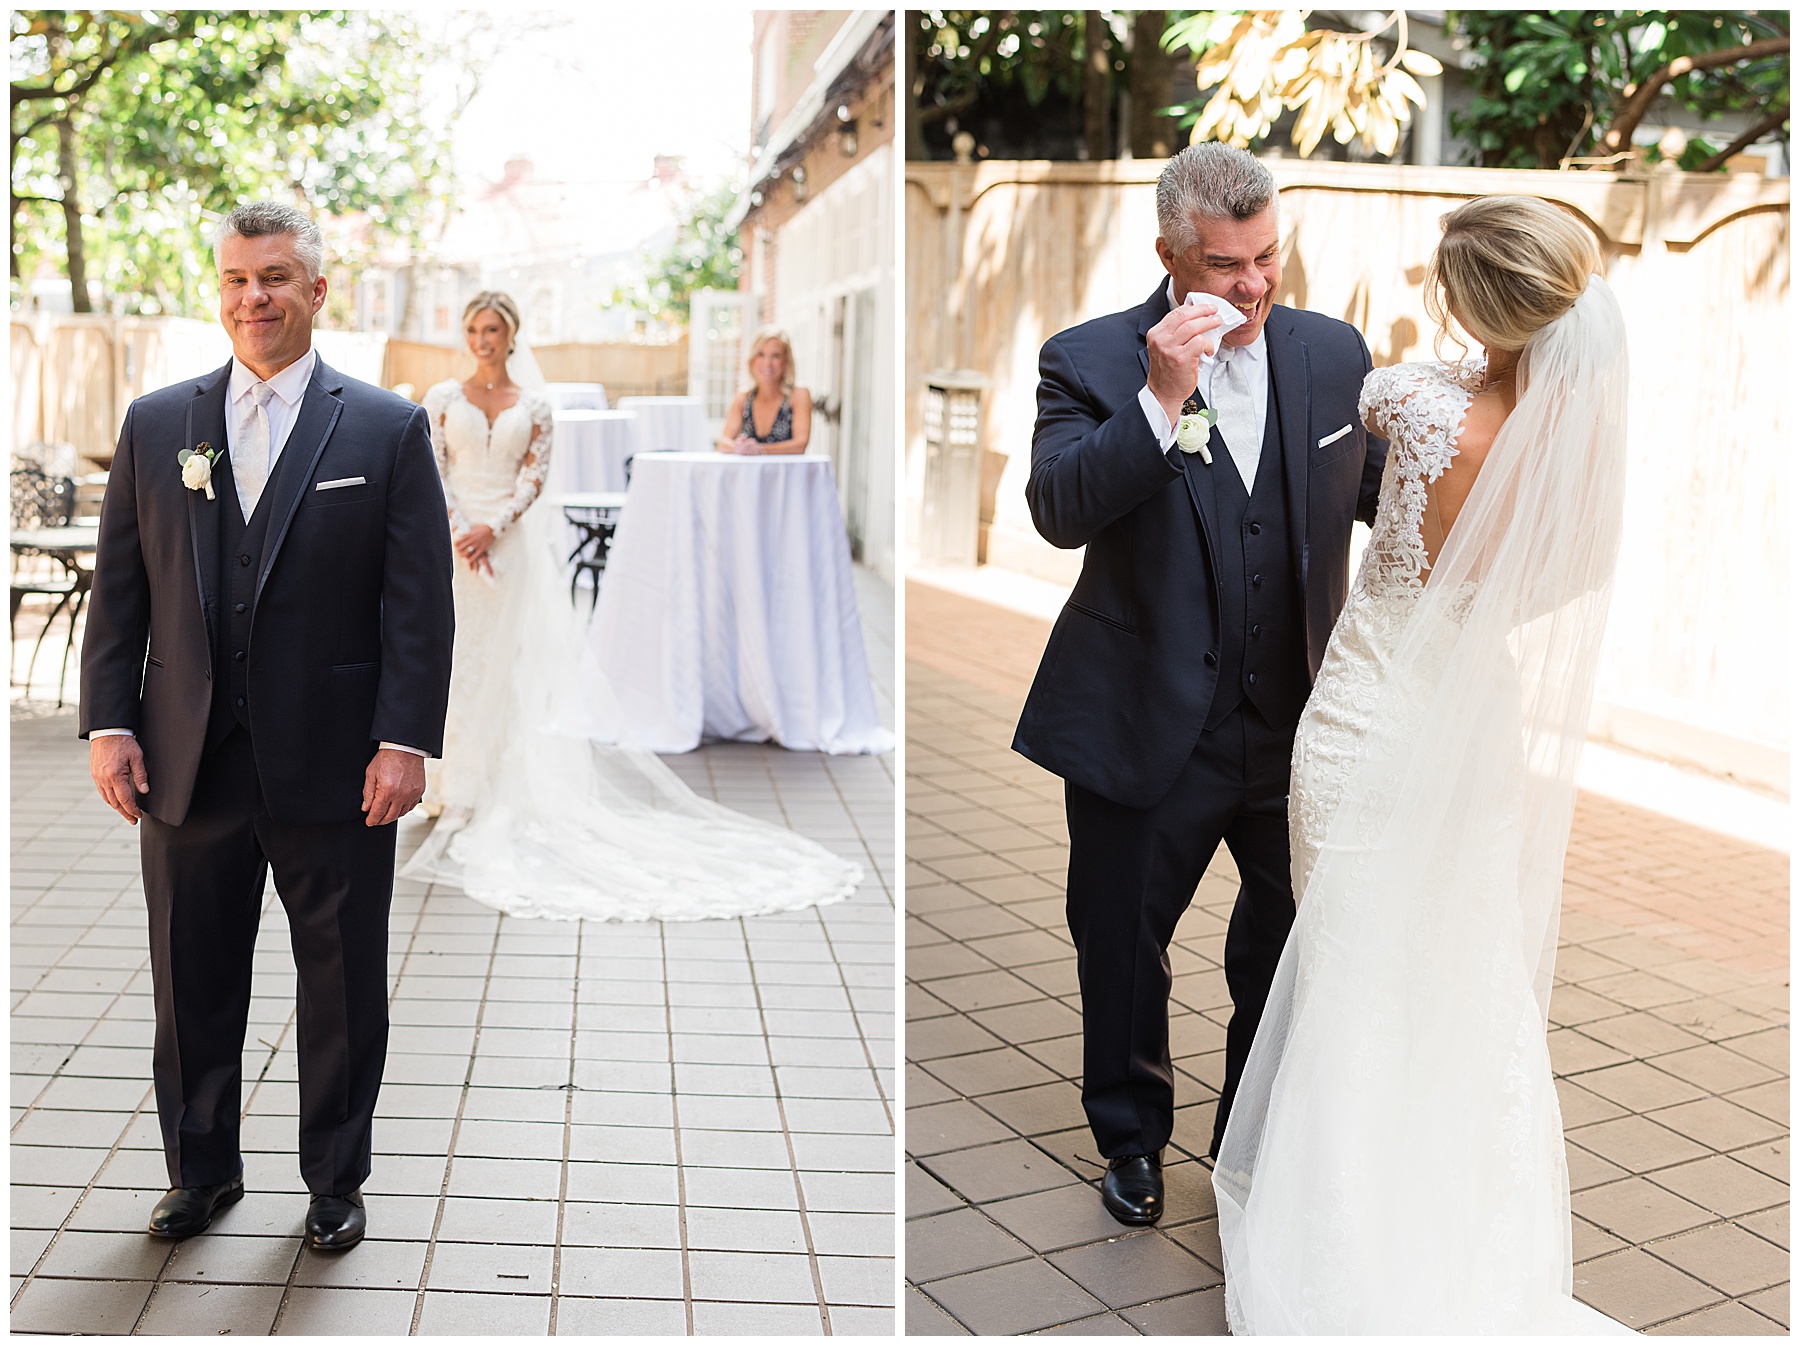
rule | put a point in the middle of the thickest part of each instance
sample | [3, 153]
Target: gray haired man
[1215, 568]
[267, 662]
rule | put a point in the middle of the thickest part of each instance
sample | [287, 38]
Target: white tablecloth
[728, 610]
[669, 423]
[590, 450]
[576, 396]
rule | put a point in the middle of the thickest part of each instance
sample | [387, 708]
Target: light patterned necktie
[1232, 399]
[250, 467]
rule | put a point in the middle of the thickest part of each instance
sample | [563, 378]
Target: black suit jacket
[351, 628]
[1128, 676]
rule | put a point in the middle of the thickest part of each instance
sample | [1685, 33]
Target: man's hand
[393, 784]
[1175, 346]
[117, 765]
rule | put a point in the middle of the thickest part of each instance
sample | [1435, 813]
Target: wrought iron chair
[39, 500]
[596, 525]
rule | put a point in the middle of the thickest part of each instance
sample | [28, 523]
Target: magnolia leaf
[182, 457]
[1420, 64]
[1406, 86]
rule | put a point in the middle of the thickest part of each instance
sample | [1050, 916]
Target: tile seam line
[462, 1103]
[787, 1137]
[681, 1205]
[562, 1191]
[887, 1104]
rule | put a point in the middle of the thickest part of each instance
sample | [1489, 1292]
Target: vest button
[240, 701]
[239, 656]
[1256, 580]
[1212, 660]
[244, 559]
[1252, 679]
[1255, 528]
[239, 608]
[1256, 630]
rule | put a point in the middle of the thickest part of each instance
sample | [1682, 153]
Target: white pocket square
[362, 481]
[1335, 436]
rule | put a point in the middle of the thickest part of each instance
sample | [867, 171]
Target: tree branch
[25, 93]
[949, 108]
[1638, 101]
[1750, 137]
[44, 120]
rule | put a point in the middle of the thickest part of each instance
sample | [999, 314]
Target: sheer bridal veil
[1416, 1123]
[566, 827]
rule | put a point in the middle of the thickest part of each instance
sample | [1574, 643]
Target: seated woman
[771, 414]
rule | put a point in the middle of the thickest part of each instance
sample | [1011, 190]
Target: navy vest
[240, 559]
[1262, 642]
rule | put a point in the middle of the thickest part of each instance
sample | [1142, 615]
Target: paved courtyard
[1670, 1042]
[586, 1128]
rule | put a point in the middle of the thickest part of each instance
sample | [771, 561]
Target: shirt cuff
[1158, 418]
[109, 733]
[401, 747]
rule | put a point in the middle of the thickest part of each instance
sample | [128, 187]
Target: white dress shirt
[1246, 457]
[283, 410]
[289, 389]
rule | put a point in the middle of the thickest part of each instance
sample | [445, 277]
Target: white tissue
[1230, 316]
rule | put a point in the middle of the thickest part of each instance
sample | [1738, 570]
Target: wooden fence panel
[625, 369]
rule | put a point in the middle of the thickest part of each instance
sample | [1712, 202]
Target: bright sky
[600, 91]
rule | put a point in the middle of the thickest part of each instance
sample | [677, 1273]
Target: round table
[66, 544]
[576, 396]
[590, 449]
[729, 611]
[677, 423]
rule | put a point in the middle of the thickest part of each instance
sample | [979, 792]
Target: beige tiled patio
[585, 1128]
[1670, 1042]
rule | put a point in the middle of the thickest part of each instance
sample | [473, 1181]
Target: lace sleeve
[437, 402]
[534, 467]
[1418, 409]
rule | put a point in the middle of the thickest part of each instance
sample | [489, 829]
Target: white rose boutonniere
[1193, 430]
[196, 468]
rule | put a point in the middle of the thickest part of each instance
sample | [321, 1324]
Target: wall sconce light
[846, 138]
[799, 179]
[756, 197]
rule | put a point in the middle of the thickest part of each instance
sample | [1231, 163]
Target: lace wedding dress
[535, 819]
[1394, 1160]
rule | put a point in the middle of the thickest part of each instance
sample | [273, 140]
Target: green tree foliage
[1552, 84]
[133, 132]
[704, 255]
[961, 59]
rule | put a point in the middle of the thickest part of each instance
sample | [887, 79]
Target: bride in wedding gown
[532, 818]
[1394, 1159]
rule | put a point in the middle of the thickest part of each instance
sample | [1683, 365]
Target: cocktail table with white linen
[729, 612]
[591, 449]
[669, 423]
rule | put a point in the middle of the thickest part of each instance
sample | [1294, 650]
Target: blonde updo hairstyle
[1506, 268]
[501, 304]
[764, 335]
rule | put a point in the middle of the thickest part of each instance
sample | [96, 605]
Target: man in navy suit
[1216, 566]
[266, 666]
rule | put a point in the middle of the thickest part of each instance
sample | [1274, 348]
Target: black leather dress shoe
[334, 1223]
[189, 1210]
[1132, 1190]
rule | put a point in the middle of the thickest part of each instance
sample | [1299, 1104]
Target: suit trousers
[203, 885]
[1132, 874]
